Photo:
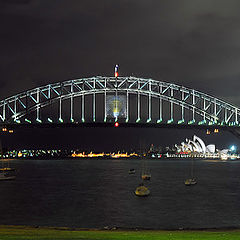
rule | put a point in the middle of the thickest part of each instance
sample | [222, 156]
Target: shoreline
[107, 228]
[17, 232]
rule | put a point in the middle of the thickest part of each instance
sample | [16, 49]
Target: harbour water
[100, 193]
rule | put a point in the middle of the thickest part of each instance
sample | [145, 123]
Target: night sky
[191, 43]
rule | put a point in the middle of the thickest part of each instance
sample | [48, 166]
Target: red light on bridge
[116, 124]
[116, 71]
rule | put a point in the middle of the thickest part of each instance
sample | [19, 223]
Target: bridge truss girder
[210, 109]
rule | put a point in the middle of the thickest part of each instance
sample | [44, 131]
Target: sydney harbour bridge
[130, 101]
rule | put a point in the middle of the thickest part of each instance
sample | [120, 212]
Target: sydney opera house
[197, 147]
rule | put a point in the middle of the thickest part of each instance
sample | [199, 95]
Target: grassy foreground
[42, 233]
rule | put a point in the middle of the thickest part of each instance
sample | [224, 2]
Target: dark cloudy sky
[195, 43]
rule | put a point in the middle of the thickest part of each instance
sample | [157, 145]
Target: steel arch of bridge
[211, 110]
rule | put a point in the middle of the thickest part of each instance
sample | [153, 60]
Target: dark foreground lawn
[42, 233]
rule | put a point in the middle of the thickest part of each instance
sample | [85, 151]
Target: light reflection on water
[213, 160]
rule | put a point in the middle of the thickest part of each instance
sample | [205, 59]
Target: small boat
[190, 181]
[131, 171]
[142, 191]
[7, 174]
[146, 176]
[7, 169]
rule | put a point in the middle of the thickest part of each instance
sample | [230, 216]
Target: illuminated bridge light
[138, 120]
[202, 122]
[50, 120]
[60, 120]
[27, 120]
[191, 122]
[118, 102]
[181, 121]
[170, 121]
[116, 71]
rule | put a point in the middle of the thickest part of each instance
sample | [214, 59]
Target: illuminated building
[196, 145]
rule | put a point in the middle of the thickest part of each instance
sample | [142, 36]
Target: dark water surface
[98, 193]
